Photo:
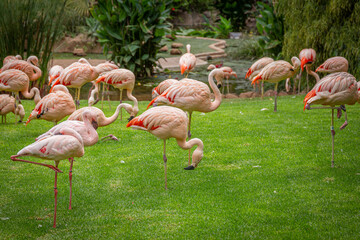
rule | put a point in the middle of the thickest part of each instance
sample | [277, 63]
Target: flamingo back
[334, 64]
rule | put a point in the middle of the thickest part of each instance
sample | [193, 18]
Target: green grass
[264, 175]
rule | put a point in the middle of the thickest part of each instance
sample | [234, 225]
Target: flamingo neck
[132, 98]
[109, 120]
[33, 91]
[312, 73]
[198, 152]
[216, 103]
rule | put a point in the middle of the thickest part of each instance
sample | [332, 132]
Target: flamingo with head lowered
[255, 69]
[29, 67]
[7, 105]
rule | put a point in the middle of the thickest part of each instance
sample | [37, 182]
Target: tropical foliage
[332, 28]
[271, 27]
[30, 28]
[130, 31]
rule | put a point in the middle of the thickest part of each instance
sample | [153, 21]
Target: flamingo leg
[275, 105]
[108, 96]
[78, 98]
[189, 135]
[165, 164]
[110, 137]
[14, 158]
[56, 192]
[71, 160]
[342, 107]
[332, 136]
[299, 86]
[307, 81]
[227, 83]
[121, 92]
[102, 96]
[262, 89]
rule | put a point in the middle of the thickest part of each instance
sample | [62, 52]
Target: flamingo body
[32, 71]
[257, 66]
[187, 61]
[7, 105]
[334, 64]
[159, 89]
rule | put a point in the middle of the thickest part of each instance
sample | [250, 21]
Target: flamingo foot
[307, 107]
[344, 125]
[191, 167]
[109, 137]
[332, 131]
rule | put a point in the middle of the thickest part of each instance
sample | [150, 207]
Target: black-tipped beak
[310, 62]
[130, 118]
[95, 124]
[219, 85]
[189, 167]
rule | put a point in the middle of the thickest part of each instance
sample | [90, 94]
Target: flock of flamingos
[67, 139]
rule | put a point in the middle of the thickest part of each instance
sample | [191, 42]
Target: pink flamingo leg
[56, 192]
[71, 160]
[165, 164]
[45, 165]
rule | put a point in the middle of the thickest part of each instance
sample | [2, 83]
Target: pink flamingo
[307, 57]
[191, 95]
[228, 72]
[159, 89]
[187, 61]
[55, 72]
[256, 68]
[276, 72]
[334, 89]
[11, 58]
[16, 81]
[29, 67]
[54, 106]
[65, 146]
[121, 79]
[86, 129]
[7, 105]
[75, 77]
[334, 64]
[166, 122]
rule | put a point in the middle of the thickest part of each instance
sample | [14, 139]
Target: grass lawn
[264, 175]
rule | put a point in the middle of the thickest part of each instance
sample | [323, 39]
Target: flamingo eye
[291, 69]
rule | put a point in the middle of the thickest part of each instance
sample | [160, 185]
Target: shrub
[132, 30]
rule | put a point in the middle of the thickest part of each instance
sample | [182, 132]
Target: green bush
[30, 28]
[271, 27]
[132, 30]
[332, 28]
[222, 29]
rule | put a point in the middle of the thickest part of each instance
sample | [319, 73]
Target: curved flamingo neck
[189, 144]
[216, 103]
[37, 73]
[312, 73]
[33, 91]
[109, 120]
[132, 98]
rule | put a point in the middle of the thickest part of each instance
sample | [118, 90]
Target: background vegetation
[329, 27]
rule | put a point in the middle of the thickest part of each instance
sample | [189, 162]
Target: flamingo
[54, 106]
[191, 95]
[7, 104]
[58, 147]
[276, 72]
[228, 72]
[101, 68]
[307, 57]
[255, 69]
[335, 89]
[29, 67]
[159, 89]
[121, 79]
[54, 73]
[187, 61]
[167, 122]
[11, 58]
[16, 81]
[75, 76]
[334, 64]
[358, 85]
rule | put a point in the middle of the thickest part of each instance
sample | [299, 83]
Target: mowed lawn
[264, 175]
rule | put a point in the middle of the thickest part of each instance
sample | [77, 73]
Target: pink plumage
[187, 61]
[334, 64]
[28, 67]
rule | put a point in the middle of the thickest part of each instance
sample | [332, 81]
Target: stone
[177, 45]
[175, 52]
[169, 36]
[231, 95]
[163, 49]
[246, 95]
[282, 93]
[269, 93]
[79, 52]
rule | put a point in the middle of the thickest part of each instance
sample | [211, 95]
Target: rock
[175, 52]
[163, 49]
[68, 44]
[169, 36]
[269, 93]
[247, 95]
[177, 45]
[231, 95]
[282, 93]
[79, 52]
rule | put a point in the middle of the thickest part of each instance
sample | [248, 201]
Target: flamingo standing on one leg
[276, 72]
[86, 129]
[256, 68]
[191, 95]
[334, 89]
[334, 64]
[29, 67]
[121, 79]
[228, 72]
[56, 148]
[159, 89]
[54, 106]
[16, 81]
[7, 104]
[75, 77]
[187, 61]
[166, 122]
[307, 57]
[101, 119]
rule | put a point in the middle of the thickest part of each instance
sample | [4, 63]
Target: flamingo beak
[183, 68]
[28, 120]
[248, 73]
[303, 62]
